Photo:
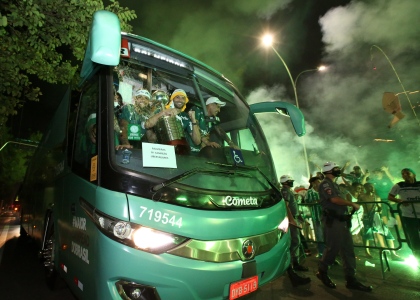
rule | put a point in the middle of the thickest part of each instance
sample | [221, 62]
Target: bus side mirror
[104, 44]
[284, 108]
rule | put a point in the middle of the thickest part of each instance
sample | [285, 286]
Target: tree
[14, 158]
[46, 40]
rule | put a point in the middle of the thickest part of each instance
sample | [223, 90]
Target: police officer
[286, 185]
[337, 224]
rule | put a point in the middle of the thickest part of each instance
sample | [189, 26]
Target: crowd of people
[361, 209]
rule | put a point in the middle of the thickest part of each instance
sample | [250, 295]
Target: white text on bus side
[79, 223]
[81, 252]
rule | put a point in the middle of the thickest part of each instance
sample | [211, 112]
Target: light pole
[267, 41]
[320, 68]
[398, 77]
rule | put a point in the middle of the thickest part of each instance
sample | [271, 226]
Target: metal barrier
[368, 224]
[411, 224]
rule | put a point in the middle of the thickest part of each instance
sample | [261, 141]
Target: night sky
[343, 105]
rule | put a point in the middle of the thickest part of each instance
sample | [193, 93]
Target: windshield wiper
[254, 168]
[233, 166]
[191, 172]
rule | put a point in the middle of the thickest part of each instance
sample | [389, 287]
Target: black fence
[377, 226]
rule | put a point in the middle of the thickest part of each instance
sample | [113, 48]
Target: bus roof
[183, 55]
[104, 46]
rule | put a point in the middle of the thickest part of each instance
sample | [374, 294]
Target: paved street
[21, 277]
[21, 273]
[402, 282]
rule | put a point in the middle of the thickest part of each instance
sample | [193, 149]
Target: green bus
[155, 221]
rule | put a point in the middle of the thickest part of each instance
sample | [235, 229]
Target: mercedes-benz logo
[248, 249]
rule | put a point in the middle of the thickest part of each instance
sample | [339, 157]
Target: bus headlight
[152, 240]
[122, 230]
[133, 235]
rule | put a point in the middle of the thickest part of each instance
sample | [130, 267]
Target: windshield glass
[152, 142]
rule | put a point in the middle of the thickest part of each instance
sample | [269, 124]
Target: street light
[320, 68]
[267, 41]
[398, 77]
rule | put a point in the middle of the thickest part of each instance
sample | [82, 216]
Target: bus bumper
[174, 277]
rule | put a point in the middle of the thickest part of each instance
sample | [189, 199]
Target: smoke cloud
[372, 49]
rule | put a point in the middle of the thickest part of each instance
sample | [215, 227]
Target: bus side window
[85, 137]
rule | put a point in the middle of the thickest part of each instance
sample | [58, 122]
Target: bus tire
[48, 245]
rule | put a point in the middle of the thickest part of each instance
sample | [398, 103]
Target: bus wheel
[48, 251]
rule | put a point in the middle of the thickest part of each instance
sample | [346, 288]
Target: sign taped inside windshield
[158, 155]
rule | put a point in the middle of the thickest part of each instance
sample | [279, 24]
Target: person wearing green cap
[408, 192]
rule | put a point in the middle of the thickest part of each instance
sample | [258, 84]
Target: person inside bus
[86, 148]
[187, 137]
[118, 105]
[213, 106]
[132, 120]
[176, 106]
[212, 135]
[91, 134]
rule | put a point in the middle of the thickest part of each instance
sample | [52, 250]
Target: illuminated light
[34, 226]
[122, 230]
[322, 68]
[412, 262]
[64, 246]
[182, 199]
[146, 238]
[284, 225]
[267, 40]
[383, 140]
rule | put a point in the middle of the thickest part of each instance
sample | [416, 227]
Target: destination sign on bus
[158, 55]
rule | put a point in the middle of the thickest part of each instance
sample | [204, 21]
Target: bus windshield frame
[214, 172]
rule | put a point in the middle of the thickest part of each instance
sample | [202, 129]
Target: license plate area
[243, 287]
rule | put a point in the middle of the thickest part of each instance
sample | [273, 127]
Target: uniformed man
[286, 185]
[288, 196]
[337, 223]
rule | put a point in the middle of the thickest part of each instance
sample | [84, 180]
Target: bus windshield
[239, 160]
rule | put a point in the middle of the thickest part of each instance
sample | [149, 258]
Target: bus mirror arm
[283, 108]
